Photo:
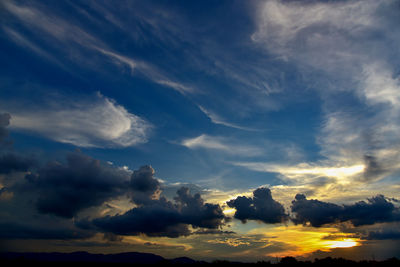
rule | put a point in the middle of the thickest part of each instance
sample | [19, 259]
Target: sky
[238, 130]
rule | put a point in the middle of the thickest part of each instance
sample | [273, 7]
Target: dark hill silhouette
[136, 259]
[183, 260]
[129, 257]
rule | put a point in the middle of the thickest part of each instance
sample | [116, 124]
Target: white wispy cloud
[181, 88]
[145, 69]
[95, 122]
[215, 118]
[50, 24]
[22, 41]
[339, 39]
[381, 86]
[120, 59]
[71, 37]
[306, 172]
[220, 144]
[282, 24]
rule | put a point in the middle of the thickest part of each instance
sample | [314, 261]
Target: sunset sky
[239, 130]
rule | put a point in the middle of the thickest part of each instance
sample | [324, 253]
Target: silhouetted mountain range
[137, 258]
[129, 257]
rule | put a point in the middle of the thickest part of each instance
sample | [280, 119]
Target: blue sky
[224, 97]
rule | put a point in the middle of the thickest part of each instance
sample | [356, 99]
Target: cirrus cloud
[95, 122]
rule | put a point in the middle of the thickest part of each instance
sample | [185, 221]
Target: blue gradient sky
[224, 97]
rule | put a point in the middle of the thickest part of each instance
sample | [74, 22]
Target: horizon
[249, 129]
[150, 258]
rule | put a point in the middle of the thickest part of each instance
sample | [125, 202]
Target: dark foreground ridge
[138, 259]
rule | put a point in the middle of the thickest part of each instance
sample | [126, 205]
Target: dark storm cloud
[375, 210]
[196, 212]
[372, 167]
[20, 230]
[161, 217]
[314, 211]
[83, 182]
[4, 122]
[384, 234]
[144, 187]
[261, 207]
[213, 232]
[10, 162]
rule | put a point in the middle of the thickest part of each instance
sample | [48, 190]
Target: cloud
[339, 41]
[215, 118]
[220, 144]
[158, 219]
[196, 212]
[306, 173]
[68, 36]
[80, 183]
[144, 187]
[369, 141]
[315, 212]
[181, 88]
[62, 192]
[384, 234]
[161, 217]
[24, 42]
[10, 162]
[261, 207]
[147, 70]
[375, 210]
[38, 19]
[281, 23]
[4, 122]
[21, 230]
[213, 232]
[94, 122]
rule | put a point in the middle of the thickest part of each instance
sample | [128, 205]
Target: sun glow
[345, 243]
[302, 241]
[229, 211]
[326, 171]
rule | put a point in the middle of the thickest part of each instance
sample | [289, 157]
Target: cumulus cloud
[384, 234]
[377, 209]
[80, 183]
[21, 230]
[261, 207]
[60, 191]
[10, 162]
[144, 186]
[161, 217]
[315, 212]
[4, 122]
[198, 213]
[95, 122]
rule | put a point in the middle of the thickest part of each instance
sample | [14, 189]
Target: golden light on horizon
[344, 243]
[302, 241]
